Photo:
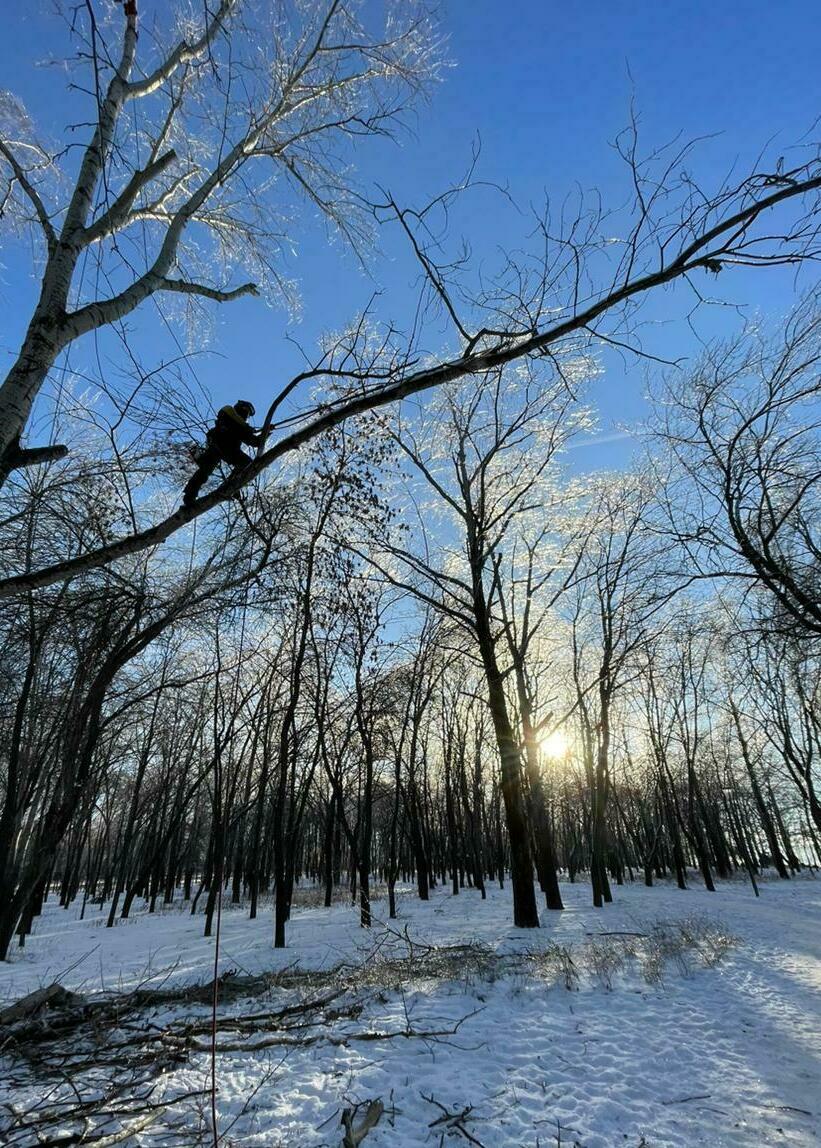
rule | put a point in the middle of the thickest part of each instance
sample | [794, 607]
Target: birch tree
[202, 128]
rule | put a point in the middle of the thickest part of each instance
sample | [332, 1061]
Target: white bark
[320, 87]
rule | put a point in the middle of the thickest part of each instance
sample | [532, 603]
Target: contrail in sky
[616, 436]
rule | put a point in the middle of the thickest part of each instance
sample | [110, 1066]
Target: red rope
[214, 1000]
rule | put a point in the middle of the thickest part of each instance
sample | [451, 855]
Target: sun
[555, 745]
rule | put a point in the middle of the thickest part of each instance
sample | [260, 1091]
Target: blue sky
[547, 87]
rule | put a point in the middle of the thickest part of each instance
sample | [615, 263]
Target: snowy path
[721, 1056]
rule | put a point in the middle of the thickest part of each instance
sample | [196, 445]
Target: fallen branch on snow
[354, 1136]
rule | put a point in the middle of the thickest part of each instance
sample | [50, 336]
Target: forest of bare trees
[432, 659]
[409, 643]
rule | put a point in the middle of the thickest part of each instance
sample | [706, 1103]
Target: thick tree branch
[98, 149]
[183, 288]
[31, 194]
[182, 54]
[30, 456]
[703, 249]
[119, 212]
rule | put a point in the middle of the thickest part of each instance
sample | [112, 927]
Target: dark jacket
[232, 429]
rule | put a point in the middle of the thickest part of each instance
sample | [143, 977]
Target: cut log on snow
[52, 996]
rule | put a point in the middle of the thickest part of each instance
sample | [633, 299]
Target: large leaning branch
[702, 252]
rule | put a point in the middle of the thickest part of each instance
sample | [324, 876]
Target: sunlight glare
[555, 745]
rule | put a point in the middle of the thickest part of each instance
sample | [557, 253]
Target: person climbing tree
[224, 444]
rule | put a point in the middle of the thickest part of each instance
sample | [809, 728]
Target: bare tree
[788, 715]
[577, 293]
[744, 432]
[484, 461]
[65, 657]
[198, 126]
[619, 591]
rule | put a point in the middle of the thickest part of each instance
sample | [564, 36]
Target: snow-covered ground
[723, 1049]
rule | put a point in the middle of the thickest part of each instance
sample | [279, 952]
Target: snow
[719, 1053]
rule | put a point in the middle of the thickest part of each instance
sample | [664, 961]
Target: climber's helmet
[244, 409]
